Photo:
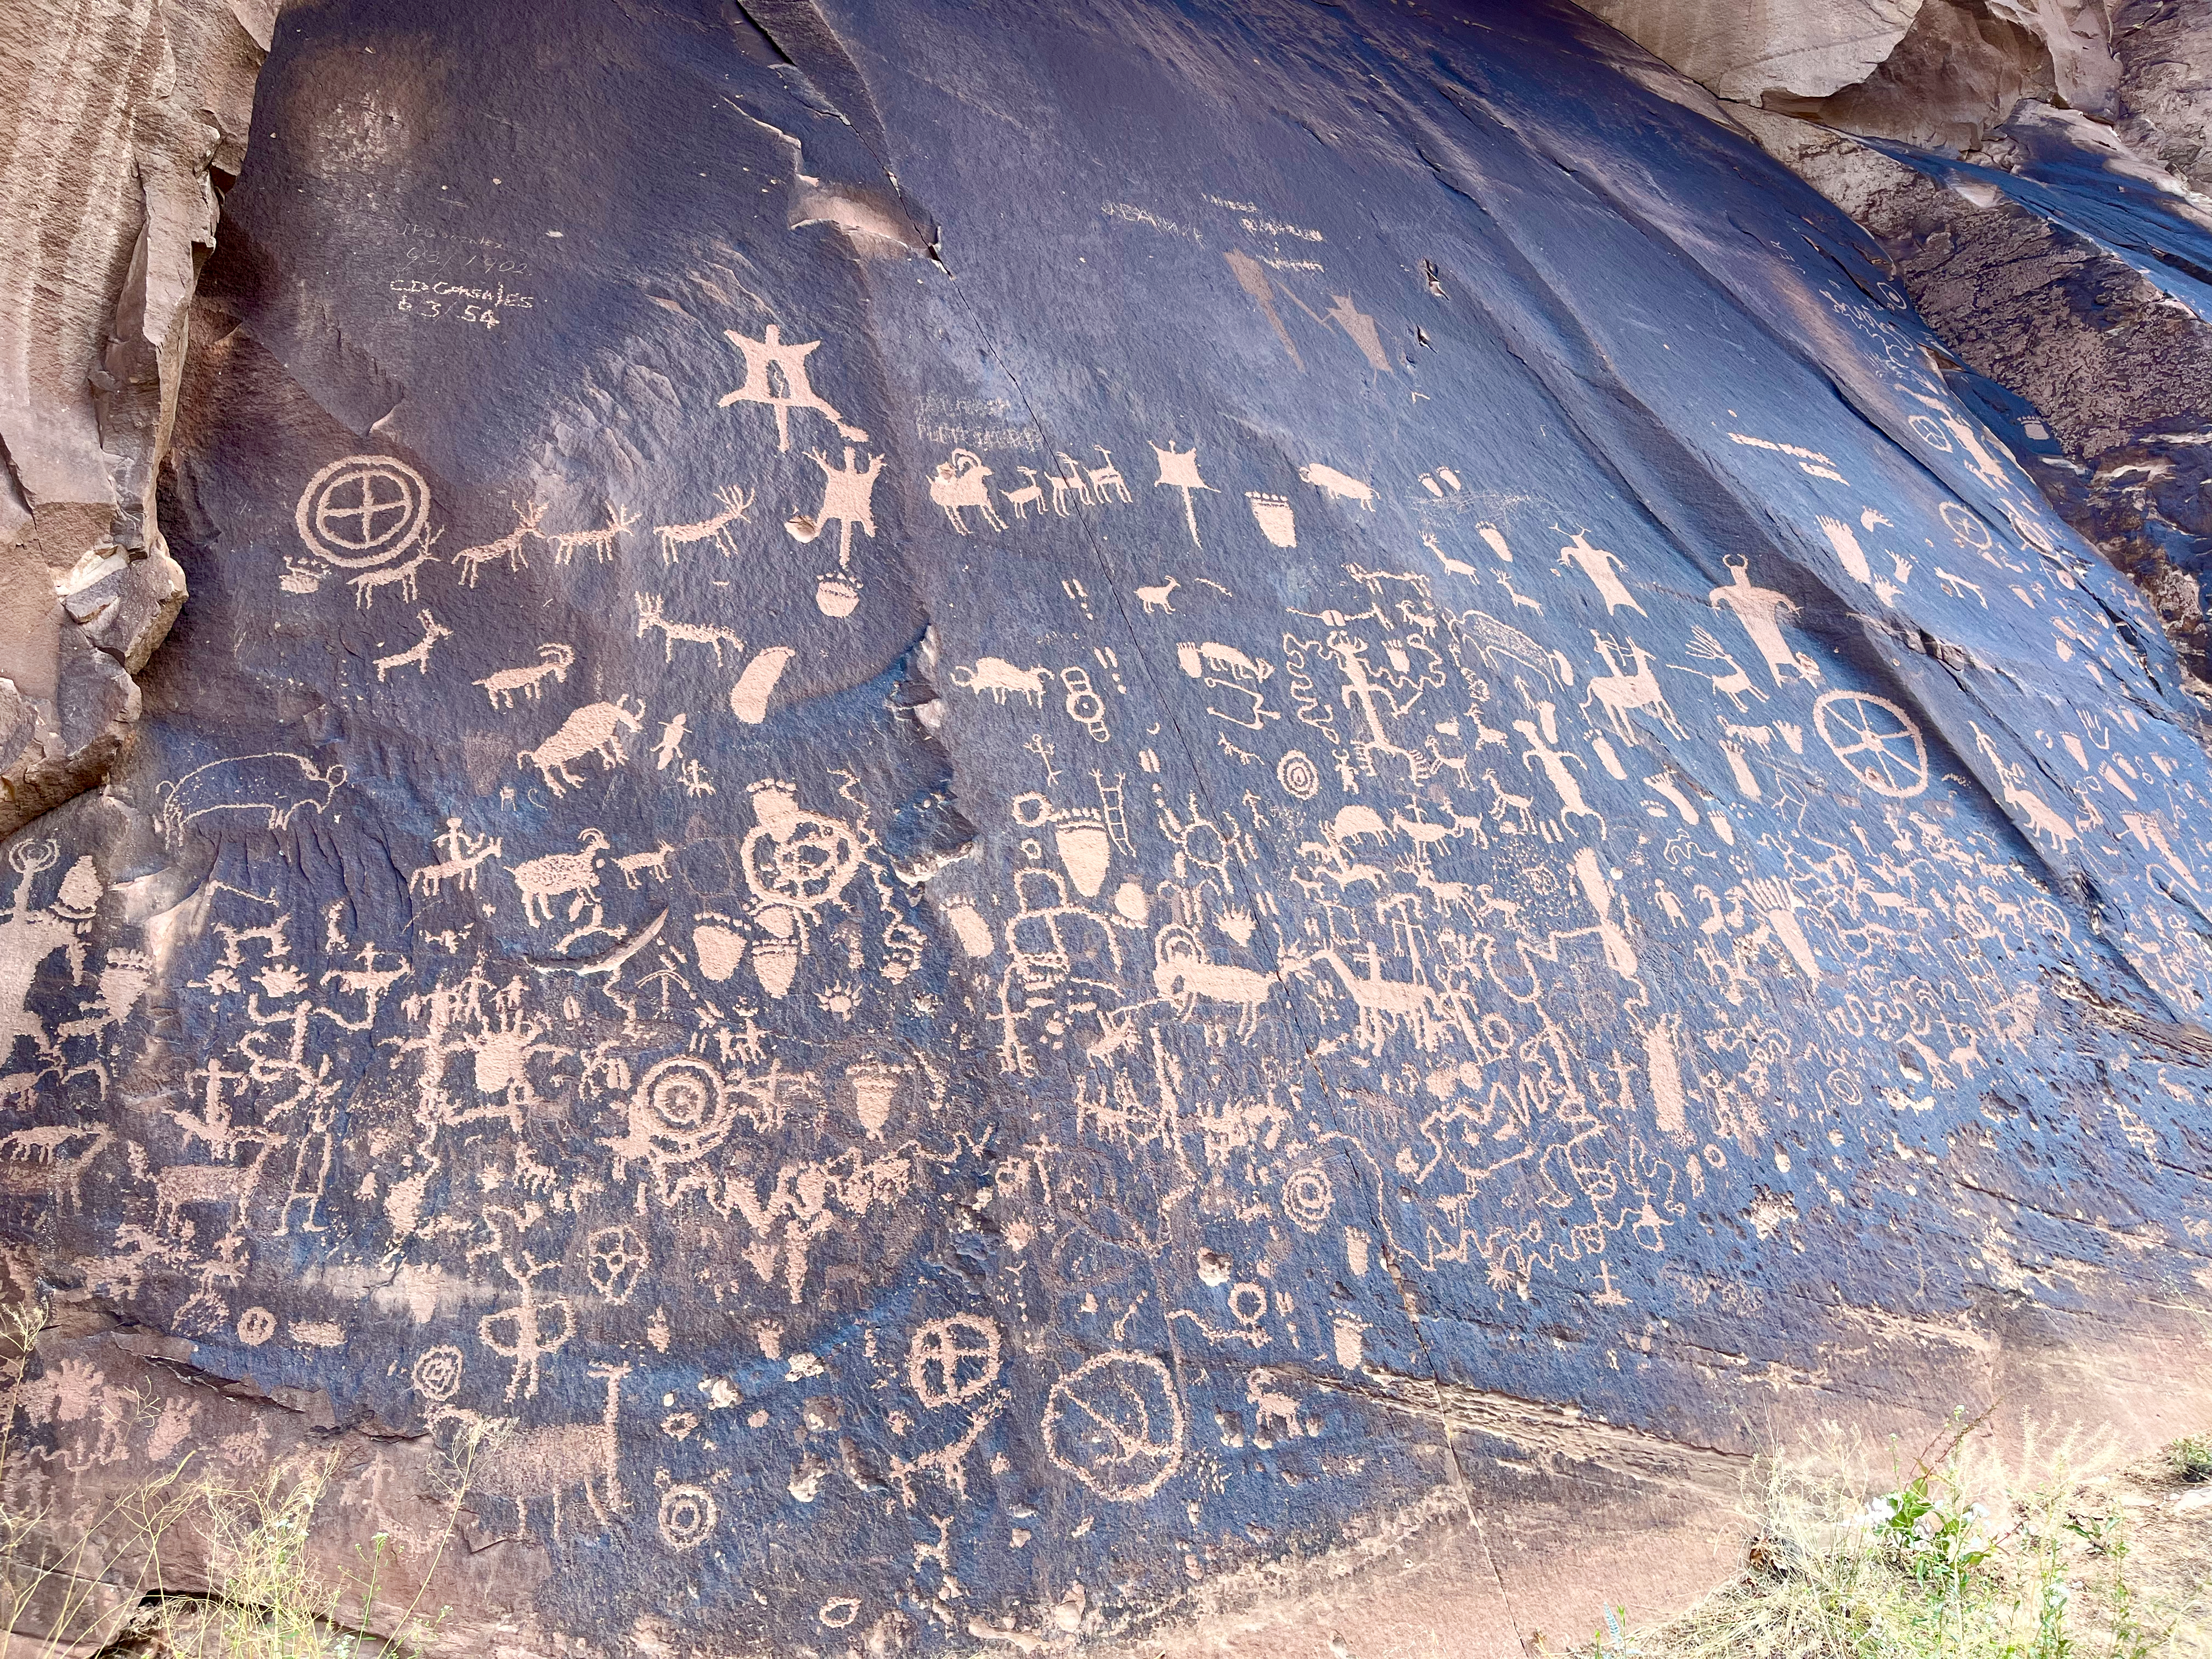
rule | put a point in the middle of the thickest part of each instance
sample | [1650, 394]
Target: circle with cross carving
[1876, 740]
[1116, 1425]
[951, 1360]
[362, 511]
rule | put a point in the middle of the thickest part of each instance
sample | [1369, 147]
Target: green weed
[1930, 1567]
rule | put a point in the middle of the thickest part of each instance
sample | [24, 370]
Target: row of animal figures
[958, 484]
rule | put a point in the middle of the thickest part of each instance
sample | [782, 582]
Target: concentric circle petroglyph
[1308, 1197]
[1298, 775]
[437, 1373]
[687, 1518]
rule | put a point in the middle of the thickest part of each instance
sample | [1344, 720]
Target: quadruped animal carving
[596, 728]
[959, 484]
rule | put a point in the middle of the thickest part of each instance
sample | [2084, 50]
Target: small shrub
[1924, 1570]
[2190, 1457]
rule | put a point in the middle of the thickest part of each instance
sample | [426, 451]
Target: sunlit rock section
[118, 122]
[1017, 828]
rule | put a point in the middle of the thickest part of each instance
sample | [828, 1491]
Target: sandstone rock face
[2166, 48]
[1015, 827]
[2087, 302]
[118, 118]
[1805, 48]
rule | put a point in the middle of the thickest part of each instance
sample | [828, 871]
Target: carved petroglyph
[652, 613]
[775, 375]
[416, 656]
[675, 540]
[1179, 471]
[600, 543]
[367, 585]
[594, 729]
[471, 561]
[362, 511]
[959, 483]
[554, 662]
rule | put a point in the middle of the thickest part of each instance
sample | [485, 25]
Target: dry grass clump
[1947, 1563]
[262, 1594]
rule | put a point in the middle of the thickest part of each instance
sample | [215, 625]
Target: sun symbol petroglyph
[951, 1360]
[1116, 1425]
[1876, 740]
[362, 511]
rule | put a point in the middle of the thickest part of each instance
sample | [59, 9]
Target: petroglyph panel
[903, 1027]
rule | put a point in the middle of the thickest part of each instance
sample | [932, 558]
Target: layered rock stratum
[999, 828]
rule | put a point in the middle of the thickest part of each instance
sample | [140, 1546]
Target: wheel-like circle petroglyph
[950, 1360]
[255, 1326]
[364, 510]
[1116, 1425]
[1876, 740]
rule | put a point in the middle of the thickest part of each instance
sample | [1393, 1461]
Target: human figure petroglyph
[554, 662]
[1623, 692]
[652, 613]
[602, 542]
[959, 484]
[676, 539]
[541, 880]
[369, 583]
[775, 375]
[471, 561]
[596, 728]
[1758, 610]
[418, 654]
[1600, 566]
